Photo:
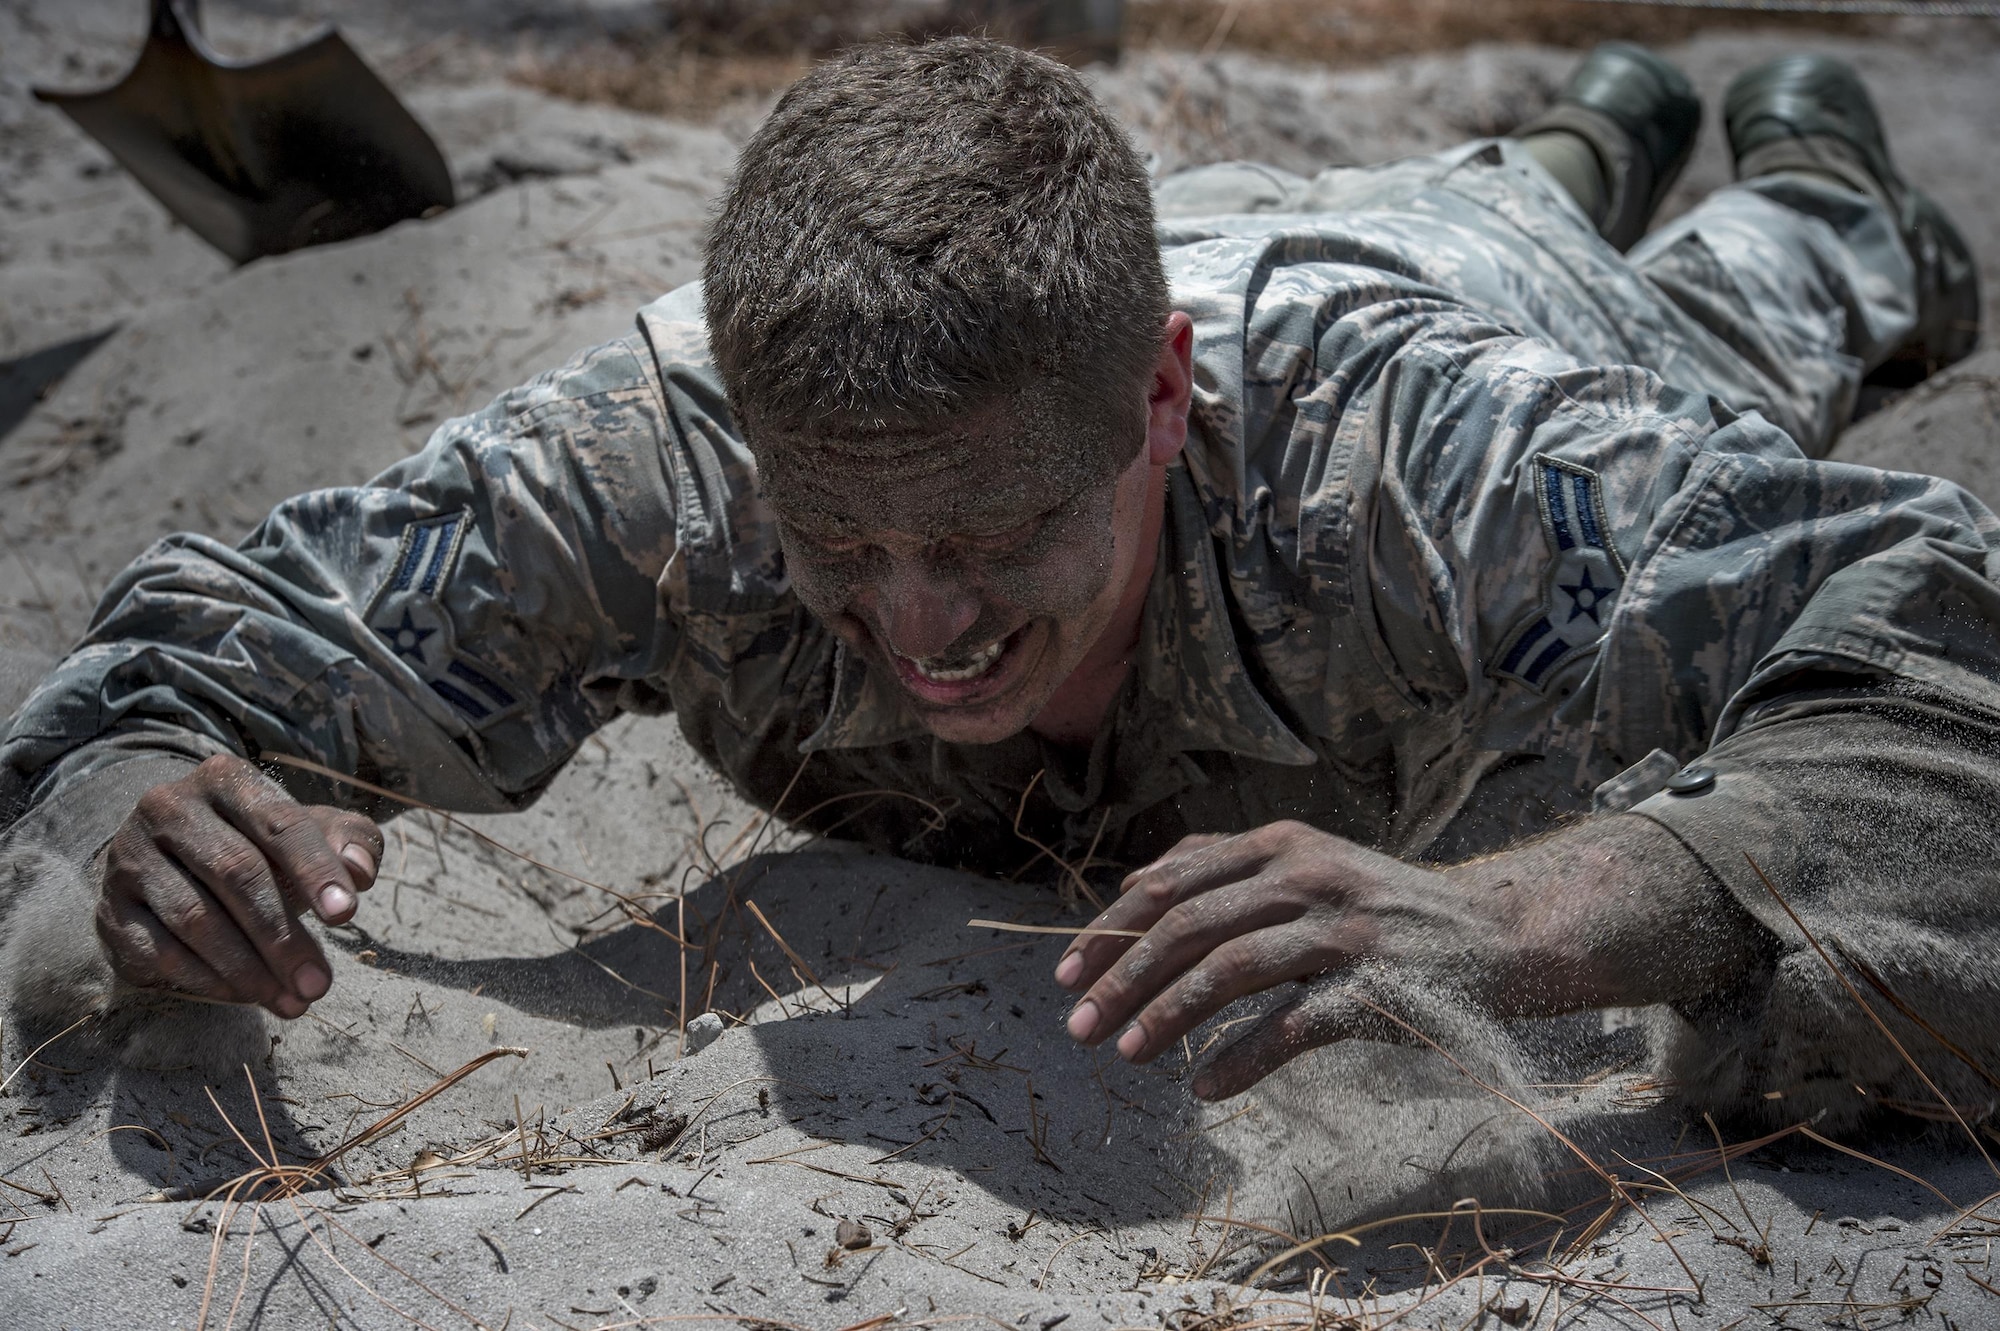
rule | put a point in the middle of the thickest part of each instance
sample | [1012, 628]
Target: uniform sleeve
[452, 630]
[1586, 566]
[1855, 755]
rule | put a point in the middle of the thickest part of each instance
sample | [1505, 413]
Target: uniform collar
[1188, 660]
[865, 710]
[1188, 655]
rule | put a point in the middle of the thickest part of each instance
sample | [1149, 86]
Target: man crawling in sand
[1412, 571]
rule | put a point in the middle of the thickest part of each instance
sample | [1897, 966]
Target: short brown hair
[919, 230]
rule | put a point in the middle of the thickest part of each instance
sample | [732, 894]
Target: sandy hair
[920, 230]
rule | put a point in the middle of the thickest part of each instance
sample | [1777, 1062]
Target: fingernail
[289, 1006]
[335, 899]
[1069, 970]
[1130, 1043]
[311, 981]
[359, 863]
[1204, 1088]
[1083, 1021]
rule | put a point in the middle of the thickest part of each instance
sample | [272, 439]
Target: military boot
[1639, 116]
[1810, 113]
[1081, 31]
[1078, 32]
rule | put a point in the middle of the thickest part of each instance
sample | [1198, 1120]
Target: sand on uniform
[892, 1122]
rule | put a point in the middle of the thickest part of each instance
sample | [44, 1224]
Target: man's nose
[923, 611]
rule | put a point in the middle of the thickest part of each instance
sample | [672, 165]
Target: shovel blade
[261, 157]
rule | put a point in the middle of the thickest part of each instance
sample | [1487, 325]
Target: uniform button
[1691, 780]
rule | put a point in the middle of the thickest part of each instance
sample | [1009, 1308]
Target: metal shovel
[264, 156]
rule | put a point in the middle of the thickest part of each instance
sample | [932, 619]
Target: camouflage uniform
[1479, 520]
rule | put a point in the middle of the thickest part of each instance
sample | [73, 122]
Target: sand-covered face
[973, 563]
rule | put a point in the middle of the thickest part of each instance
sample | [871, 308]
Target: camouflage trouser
[1775, 294]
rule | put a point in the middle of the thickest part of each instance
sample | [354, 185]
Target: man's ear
[1173, 389]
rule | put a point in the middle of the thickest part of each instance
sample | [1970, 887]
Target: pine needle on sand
[1064, 930]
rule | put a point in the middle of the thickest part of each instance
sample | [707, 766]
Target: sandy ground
[896, 1070]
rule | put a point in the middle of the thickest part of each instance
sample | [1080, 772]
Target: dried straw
[1062, 929]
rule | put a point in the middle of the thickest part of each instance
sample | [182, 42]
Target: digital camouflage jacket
[1480, 524]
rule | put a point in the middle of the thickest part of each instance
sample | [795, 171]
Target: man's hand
[205, 880]
[1576, 920]
[1230, 916]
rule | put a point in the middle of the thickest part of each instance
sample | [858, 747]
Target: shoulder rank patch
[408, 615]
[1583, 579]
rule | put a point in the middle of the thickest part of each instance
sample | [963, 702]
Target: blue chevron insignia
[408, 615]
[1581, 587]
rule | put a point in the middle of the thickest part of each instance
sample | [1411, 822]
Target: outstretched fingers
[216, 896]
[1195, 865]
[294, 854]
[1242, 966]
[357, 842]
[206, 882]
[146, 954]
[1214, 947]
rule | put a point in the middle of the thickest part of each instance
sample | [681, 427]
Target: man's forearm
[1613, 912]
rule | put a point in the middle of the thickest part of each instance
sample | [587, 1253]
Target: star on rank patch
[1583, 580]
[406, 638]
[409, 616]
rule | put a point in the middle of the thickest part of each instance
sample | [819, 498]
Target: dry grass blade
[793, 956]
[1352, 1235]
[633, 985]
[268, 1166]
[1059, 929]
[1222, 1243]
[1072, 873]
[45, 1198]
[162, 1142]
[410, 1106]
[243, 1281]
[288, 1181]
[366, 1288]
[939, 816]
[1863, 1156]
[1896, 1000]
[695, 1117]
[371, 1250]
[1610, 1180]
[1873, 1016]
[266, 1170]
[1049, 1265]
[317, 769]
[1722, 1158]
[734, 881]
[36, 1053]
[830, 1171]
[1702, 1210]
[950, 1104]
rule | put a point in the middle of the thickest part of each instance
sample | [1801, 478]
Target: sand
[901, 1071]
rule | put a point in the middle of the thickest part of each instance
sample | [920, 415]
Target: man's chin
[985, 720]
[976, 725]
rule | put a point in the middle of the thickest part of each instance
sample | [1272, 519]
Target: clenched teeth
[981, 661]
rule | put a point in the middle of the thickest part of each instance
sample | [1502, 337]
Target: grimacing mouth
[961, 668]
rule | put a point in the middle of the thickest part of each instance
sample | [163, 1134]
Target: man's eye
[1003, 541]
[833, 545]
